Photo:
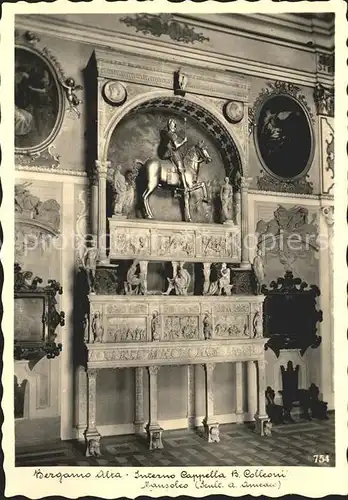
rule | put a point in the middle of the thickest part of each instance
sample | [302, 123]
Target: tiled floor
[290, 444]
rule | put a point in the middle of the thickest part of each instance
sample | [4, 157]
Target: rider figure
[169, 149]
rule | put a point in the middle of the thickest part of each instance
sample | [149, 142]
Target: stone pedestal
[154, 436]
[211, 431]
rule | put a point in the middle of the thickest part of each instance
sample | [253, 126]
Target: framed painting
[283, 137]
[39, 101]
[35, 316]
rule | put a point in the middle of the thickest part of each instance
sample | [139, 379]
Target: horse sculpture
[162, 173]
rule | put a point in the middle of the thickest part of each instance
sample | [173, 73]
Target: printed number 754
[321, 459]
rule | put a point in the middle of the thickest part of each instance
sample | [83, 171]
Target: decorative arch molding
[198, 110]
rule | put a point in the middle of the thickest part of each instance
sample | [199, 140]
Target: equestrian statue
[173, 170]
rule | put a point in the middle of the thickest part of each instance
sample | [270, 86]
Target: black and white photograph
[175, 211]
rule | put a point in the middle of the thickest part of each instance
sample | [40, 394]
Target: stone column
[191, 413]
[245, 260]
[143, 264]
[81, 401]
[206, 273]
[102, 171]
[94, 209]
[261, 418]
[211, 427]
[239, 393]
[139, 401]
[92, 435]
[252, 390]
[153, 428]
[326, 304]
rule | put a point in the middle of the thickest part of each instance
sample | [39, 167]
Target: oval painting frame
[39, 101]
[283, 136]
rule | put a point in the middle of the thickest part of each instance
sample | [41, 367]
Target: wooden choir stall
[169, 276]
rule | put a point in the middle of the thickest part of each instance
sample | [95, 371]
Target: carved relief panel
[166, 241]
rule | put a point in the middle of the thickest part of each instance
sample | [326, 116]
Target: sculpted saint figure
[226, 196]
[169, 148]
[180, 282]
[89, 262]
[224, 281]
[136, 280]
[155, 326]
[259, 270]
[97, 327]
[120, 187]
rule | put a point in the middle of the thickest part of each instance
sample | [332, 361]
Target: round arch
[198, 110]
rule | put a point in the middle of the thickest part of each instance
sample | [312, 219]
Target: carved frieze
[169, 241]
[212, 351]
[236, 308]
[137, 308]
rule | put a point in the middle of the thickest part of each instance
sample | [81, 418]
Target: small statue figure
[86, 327]
[93, 448]
[89, 262]
[224, 281]
[70, 88]
[120, 188]
[226, 198]
[180, 281]
[97, 327]
[136, 280]
[155, 326]
[180, 82]
[207, 326]
[259, 270]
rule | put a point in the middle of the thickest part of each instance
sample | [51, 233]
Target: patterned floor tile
[290, 444]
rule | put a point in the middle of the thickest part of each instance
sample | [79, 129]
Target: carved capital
[324, 100]
[245, 182]
[102, 167]
[153, 370]
[329, 215]
[92, 373]
[209, 369]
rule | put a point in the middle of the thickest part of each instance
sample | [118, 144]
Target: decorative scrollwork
[27, 288]
[164, 24]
